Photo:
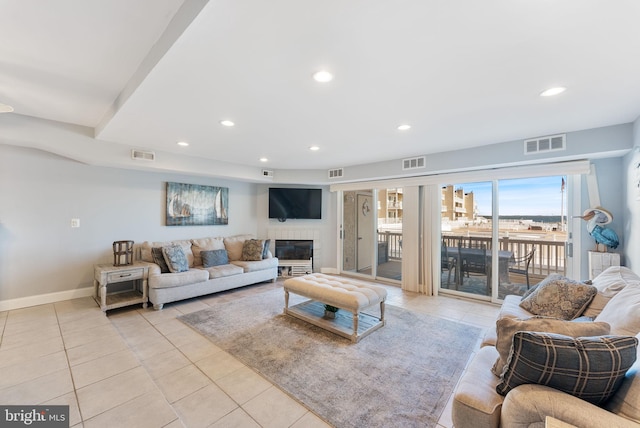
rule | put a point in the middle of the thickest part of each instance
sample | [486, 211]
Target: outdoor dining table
[480, 257]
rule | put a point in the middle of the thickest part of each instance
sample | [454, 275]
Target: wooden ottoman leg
[354, 338]
[286, 300]
[382, 311]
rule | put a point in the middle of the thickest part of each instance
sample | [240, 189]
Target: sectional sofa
[211, 265]
[522, 345]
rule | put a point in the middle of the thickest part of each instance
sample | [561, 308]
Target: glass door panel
[466, 224]
[358, 232]
[389, 240]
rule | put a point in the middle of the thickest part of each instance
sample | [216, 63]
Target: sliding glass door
[527, 245]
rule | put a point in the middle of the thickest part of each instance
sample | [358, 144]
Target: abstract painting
[196, 205]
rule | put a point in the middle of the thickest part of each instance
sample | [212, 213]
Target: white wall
[632, 202]
[41, 192]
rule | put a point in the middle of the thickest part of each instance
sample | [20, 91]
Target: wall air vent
[267, 173]
[142, 155]
[414, 163]
[551, 143]
[336, 173]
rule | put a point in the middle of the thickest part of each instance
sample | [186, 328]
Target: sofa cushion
[175, 258]
[510, 309]
[591, 368]
[145, 249]
[252, 250]
[561, 298]
[234, 244]
[204, 244]
[623, 311]
[158, 258]
[223, 271]
[507, 327]
[257, 265]
[211, 258]
[168, 280]
[626, 402]
[609, 283]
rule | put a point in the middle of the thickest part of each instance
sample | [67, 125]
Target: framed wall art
[196, 205]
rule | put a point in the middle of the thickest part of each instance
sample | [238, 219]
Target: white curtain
[411, 240]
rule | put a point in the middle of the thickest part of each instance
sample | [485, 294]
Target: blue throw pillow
[175, 258]
[211, 258]
[591, 368]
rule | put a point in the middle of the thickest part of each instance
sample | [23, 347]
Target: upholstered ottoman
[344, 293]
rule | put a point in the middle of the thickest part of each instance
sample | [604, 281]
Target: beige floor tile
[236, 419]
[171, 326]
[309, 420]
[149, 348]
[30, 352]
[82, 337]
[45, 333]
[204, 407]
[104, 367]
[182, 382]
[181, 337]
[165, 363]
[243, 384]
[274, 408]
[32, 369]
[175, 424]
[94, 350]
[38, 390]
[478, 320]
[155, 317]
[71, 401]
[114, 391]
[198, 349]
[219, 365]
[27, 326]
[191, 306]
[91, 320]
[148, 410]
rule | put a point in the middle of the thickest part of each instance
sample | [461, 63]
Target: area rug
[400, 375]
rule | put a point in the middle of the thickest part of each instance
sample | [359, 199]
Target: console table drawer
[125, 275]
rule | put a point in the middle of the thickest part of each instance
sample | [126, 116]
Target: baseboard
[43, 299]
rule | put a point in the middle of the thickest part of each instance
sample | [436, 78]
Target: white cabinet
[600, 261]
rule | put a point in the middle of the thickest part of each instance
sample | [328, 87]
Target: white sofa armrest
[530, 404]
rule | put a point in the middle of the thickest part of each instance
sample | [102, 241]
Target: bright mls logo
[34, 416]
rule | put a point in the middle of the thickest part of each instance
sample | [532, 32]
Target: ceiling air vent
[336, 173]
[413, 163]
[551, 143]
[141, 155]
[267, 173]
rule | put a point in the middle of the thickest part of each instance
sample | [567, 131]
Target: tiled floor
[144, 368]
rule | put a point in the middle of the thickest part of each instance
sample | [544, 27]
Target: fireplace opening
[294, 249]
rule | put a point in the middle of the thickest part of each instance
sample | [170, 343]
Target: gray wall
[40, 253]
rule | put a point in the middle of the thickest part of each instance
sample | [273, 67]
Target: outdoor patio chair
[520, 265]
[448, 261]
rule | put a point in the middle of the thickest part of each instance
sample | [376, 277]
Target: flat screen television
[293, 203]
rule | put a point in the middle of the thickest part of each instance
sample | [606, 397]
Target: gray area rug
[399, 376]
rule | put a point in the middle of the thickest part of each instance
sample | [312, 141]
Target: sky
[523, 196]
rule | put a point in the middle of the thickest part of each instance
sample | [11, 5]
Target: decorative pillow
[552, 277]
[211, 258]
[204, 244]
[507, 327]
[252, 250]
[233, 245]
[609, 283]
[175, 258]
[561, 298]
[265, 250]
[158, 258]
[590, 368]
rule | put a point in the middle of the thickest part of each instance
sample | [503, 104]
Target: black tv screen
[290, 203]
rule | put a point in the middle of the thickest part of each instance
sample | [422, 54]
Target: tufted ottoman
[344, 293]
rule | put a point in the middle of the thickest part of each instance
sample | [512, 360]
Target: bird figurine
[596, 218]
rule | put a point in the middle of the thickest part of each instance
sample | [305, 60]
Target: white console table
[295, 267]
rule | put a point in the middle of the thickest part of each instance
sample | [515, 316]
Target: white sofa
[477, 404]
[199, 280]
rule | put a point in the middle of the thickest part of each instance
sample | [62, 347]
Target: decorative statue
[596, 218]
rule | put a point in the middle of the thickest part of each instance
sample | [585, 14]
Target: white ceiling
[465, 73]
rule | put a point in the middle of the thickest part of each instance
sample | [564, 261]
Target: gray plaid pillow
[590, 368]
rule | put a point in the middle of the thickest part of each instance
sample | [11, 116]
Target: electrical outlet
[75, 222]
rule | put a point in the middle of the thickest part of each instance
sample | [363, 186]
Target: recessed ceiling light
[314, 148]
[183, 143]
[323, 76]
[404, 127]
[553, 91]
[226, 123]
[4, 108]
[264, 160]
